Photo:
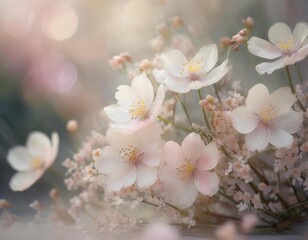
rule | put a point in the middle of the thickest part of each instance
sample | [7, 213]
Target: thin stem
[217, 92]
[293, 88]
[299, 73]
[206, 120]
[185, 110]
[180, 126]
[226, 196]
[294, 206]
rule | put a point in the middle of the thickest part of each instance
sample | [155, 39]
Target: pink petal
[282, 100]
[297, 56]
[146, 176]
[258, 97]
[206, 182]
[192, 146]
[279, 138]
[121, 178]
[158, 102]
[270, 67]
[209, 157]
[262, 48]
[110, 161]
[243, 120]
[290, 122]
[23, 180]
[173, 154]
[257, 139]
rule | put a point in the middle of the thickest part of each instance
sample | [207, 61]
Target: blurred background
[54, 60]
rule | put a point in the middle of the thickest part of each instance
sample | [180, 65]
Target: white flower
[136, 106]
[285, 46]
[187, 172]
[267, 118]
[130, 158]
[180, 75]
[32, 160]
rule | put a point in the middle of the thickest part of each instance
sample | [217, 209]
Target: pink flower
[136, 106]
[285, 46]
[130, 158]
[267, 118]
[160, 231]
[187, 172]
[180, 75]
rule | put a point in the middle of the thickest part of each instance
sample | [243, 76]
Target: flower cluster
[186, 162]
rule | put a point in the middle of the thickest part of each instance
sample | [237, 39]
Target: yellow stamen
[286, 45]
[138, 110]
[194, 68]
[267, 114]
[130, 154]
[186, 170]
[36, 162]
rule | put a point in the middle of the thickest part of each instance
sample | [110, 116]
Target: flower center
[286, 45]
[138, 110]
[36, 162]
[131, 154]
[194, 68]
[186, 170]
[267, 114]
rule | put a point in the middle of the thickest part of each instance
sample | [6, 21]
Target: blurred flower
[189, 164]
[130, 158]
[159, 231]
[72, 126]
[227, 231]
[136, 105]
[288, 47]
[4, 204]
[33, 160]
[267, 118]
[181, 75]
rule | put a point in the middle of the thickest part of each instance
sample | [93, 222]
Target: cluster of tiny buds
[208, 103]
[118, 62]
[145, 66]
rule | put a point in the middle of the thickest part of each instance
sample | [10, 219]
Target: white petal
[206, 182]
[117, 114]
[52, 154]
[262, 48]
[152, 154]
[143, 88]
[160, 75]
[19, 158]
[208, 56]
[290, 122]
[38, 144]
[279, 138]
[279, 32]
[209, 157]
[125, 96]
[109, 161]
[158, 102]
[176, 191]
[192, 146]
[282, 100]
[23, 180]
[258, 97]
[243, 120]
[270, 67]
[173, 62]
[121, 178]
[215, 75]
[297, 56]
[300, 32]
[257, 139]
[146, 176]
[172, 154]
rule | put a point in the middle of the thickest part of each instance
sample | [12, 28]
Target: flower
[285, 46]
[180, 75]
[136, 106]
[32, 160]
[187, 171]
[267, 118]
[130, 158]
